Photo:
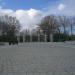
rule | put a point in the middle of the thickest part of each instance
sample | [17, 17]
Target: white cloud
[28, 18]
[6, 11]
[33, 13]
[61, 7]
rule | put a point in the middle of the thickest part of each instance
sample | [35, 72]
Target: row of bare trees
[57, 24]
[52, 24]
[49, 27]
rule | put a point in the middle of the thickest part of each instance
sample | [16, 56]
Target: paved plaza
[37, 59]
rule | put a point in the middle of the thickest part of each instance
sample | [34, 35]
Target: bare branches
[49, 24]
[9, 23]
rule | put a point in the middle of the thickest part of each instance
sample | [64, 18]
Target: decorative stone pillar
[23, 38]
[38, 37]
[45, 38]
[30, 36]
[18, 37]
[51, 37]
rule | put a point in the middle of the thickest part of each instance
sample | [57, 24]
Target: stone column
[30, 36]
[18, 37]
[51, 37]
[38, 37]
[23, 38]
[45, 38]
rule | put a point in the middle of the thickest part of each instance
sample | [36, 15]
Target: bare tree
[74, 21]
[9, 25]
[71, 24]
[49, 25]
[64, 22]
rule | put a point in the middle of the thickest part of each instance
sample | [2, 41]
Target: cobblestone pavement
[37, 59]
